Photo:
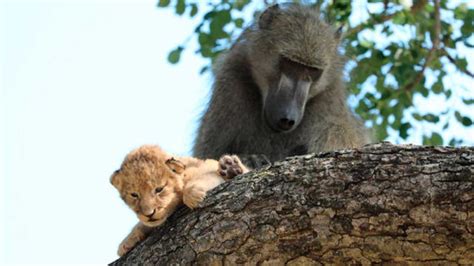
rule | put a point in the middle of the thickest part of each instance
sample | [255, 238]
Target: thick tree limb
[378, 204]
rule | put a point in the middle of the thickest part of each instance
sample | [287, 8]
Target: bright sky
[83, 83]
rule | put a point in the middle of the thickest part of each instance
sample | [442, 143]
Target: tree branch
[435, 41]
[372, 21]
[453, 61]
[378, 204]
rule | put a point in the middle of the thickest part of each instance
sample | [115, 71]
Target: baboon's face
[285, 101]
[292, 54]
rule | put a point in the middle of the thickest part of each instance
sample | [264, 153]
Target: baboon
[279, 91]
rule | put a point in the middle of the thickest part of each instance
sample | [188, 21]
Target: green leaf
[437, 87]
[424, 91]
[417, 116]
[366, 43]
[464, 120]
[203, 70]
[204, 39]
[403, 131]
[163, 3]
[458, 116]
[461, 63]
[406, 99]
[173, 56]
[431, 118]
[436, 139]
[468, 101]
[239, 22]
[426, 140]
[194, 10]
[217, 24]
[448, 93]
[180, 7]
[206, 52]
[455, 142]
[452, 142]
[399, 18]
[381, 131]
[460, 11]
[240, 4]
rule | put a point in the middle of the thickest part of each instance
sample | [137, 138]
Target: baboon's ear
[115, 179]
[175, 165]
[266, 18]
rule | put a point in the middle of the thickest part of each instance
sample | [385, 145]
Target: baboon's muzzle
[284, 105]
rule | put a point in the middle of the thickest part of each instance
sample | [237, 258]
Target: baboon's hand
[231, 166]
[255, 161]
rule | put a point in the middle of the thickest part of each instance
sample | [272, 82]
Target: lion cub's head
[151, 183]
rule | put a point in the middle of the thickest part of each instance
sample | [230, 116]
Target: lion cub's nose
[151, 214]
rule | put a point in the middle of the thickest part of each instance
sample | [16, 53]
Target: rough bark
[381, 203]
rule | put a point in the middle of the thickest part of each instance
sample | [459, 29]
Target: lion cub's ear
[116, 180]
[175, 165]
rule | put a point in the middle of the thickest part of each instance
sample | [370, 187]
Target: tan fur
[154, 183]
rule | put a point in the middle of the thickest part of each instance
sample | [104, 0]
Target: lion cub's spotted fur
[153, 184]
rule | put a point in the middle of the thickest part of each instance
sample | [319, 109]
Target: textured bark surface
[378, 204]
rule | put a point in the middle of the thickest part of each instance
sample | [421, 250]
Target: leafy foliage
[400, 54]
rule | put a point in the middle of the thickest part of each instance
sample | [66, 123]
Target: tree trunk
[383, 203]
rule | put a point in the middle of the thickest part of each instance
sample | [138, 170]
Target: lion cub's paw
[129, 242]
[123, 249]
[231, 166]
[192, 196]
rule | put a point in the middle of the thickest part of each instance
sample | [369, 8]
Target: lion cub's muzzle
[151, 214]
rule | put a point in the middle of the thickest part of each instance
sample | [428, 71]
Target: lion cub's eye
[135, 195]
[158, 190]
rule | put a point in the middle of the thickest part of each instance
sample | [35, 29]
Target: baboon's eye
[298, 71]
[135, 195]
[158, 190]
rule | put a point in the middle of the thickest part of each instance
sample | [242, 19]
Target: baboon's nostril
[286, 124]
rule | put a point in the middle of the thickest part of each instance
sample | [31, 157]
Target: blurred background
[83, 82]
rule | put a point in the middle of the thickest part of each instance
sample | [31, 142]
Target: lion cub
[153, 184]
